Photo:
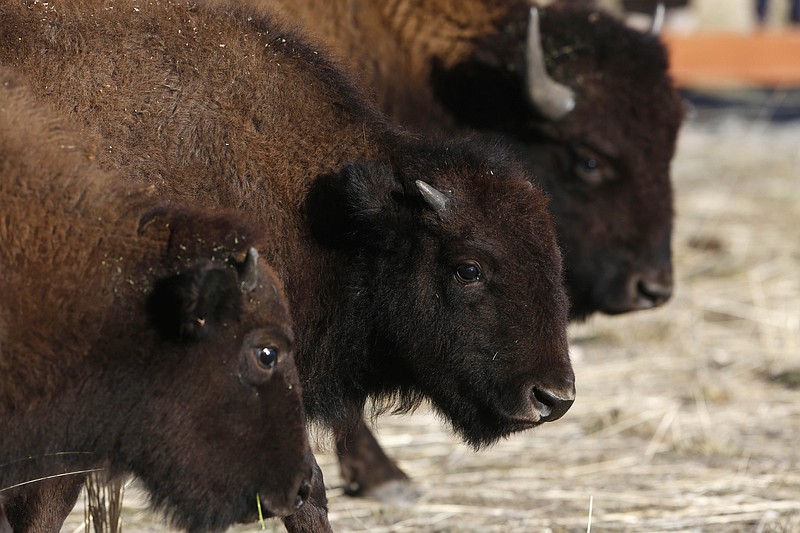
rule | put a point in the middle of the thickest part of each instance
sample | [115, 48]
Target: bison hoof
[395, 491]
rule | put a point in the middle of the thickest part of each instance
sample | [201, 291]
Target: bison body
[139, 339]
[602, 153]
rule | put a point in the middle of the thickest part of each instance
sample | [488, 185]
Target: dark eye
[589, 170]
[267, 356]
[468, 273]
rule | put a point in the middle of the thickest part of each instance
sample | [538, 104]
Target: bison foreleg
[367, 470]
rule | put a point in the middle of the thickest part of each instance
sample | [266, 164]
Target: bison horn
[248, 271]
[658, 19]
[552, 99]
[436, 199]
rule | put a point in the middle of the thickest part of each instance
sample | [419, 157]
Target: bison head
[595, 116]
[456, 269]
[220, 421]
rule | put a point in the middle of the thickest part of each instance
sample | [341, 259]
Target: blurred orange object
[763, 58]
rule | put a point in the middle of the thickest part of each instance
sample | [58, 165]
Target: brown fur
[88, 377]
[391, 44]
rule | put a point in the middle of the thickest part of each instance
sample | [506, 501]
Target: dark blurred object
[763, 5]
[649, 6]
[771, 104]
[761, 10]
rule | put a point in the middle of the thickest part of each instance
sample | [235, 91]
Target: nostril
[655, 292]
[551, 406]
[302, 495]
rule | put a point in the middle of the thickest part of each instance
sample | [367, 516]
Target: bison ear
[496, 97]
[355, 207]
[189, 305]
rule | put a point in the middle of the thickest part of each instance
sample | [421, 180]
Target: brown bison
[597, 133]
[137, 339]
[414, 269]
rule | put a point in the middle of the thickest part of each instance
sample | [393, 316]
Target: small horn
[552, 99]
[248, 271]
[436, 199]
[658, 19]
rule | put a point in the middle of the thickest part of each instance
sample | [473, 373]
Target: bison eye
[590, 171]
[468, 273]
[591, 165]
[267, 356]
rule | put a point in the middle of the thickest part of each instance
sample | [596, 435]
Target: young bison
[597, 133]
[414, 270]
[141, 340]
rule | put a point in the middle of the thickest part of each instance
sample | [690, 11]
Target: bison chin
[619, 286]
[482, 421]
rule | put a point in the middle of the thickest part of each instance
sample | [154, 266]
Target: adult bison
[597, 133]
[138, 339]
[414, 269]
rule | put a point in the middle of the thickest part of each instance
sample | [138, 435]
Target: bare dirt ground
[687, 417]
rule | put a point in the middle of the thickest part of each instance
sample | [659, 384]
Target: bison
[585, 101]
[415, 269]
[137, 338]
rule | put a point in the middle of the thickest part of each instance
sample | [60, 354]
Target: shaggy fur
[458, 65]
[91, 375]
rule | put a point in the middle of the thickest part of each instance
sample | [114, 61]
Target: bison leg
[313, 515]
[42, 507]
[367, 470]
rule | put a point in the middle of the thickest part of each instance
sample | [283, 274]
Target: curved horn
[436, 199]
[658, 19]
[550, 98]
[248, 271]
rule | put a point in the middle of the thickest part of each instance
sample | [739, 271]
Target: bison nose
[302, 495]
[653, 292]
[550, 405]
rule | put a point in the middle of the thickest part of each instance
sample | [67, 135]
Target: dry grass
[103, 504]
[687, 418]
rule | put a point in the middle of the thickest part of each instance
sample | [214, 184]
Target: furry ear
[357, 207]
[496, 97]
[188, 305]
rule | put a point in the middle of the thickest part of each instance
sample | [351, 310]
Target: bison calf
[149, 341]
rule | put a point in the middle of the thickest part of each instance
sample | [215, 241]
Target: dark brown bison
[414, 269]
[597, 133]
[137, 339]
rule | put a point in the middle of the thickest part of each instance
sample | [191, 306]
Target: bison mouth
[270, 508]
[482, 424]
[543, 406]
